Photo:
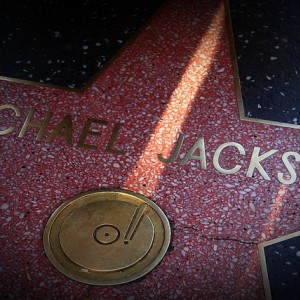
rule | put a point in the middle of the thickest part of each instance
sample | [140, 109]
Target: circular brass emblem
[107, 237]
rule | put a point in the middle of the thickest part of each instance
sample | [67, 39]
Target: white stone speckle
[252, 206]
[4, 206]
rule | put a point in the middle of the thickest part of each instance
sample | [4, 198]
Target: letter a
[201, 157]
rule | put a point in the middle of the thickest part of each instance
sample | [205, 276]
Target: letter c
[218, 152]
[17, 111]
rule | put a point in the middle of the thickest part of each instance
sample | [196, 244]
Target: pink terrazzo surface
[176, 77]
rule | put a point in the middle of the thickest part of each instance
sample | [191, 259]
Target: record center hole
[106, 234]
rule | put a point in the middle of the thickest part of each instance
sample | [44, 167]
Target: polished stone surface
[267, 40]
[283, 266]
[176, 79]
[65, 44]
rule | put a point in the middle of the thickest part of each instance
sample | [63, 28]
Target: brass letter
[176, 151]
[113, 137]
[255, 162]
[66, 123]
[289, 167]
[17, 111]
[86, 131]
[198, 145]
[41, 125]
[218, 152]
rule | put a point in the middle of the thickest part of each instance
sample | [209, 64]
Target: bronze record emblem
[106, 237]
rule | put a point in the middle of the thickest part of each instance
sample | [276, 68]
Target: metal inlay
[107, 237]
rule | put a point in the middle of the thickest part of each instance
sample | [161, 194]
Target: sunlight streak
[275, 212]
[266, 233]
[178, 107]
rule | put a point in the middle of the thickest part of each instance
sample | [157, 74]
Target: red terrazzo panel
[176, 77]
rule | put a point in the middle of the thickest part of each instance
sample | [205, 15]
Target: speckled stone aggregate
[53, 42]
[176, 77]
[268, 44]
[283, 264]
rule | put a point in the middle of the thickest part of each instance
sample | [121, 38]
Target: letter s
[289, 167]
